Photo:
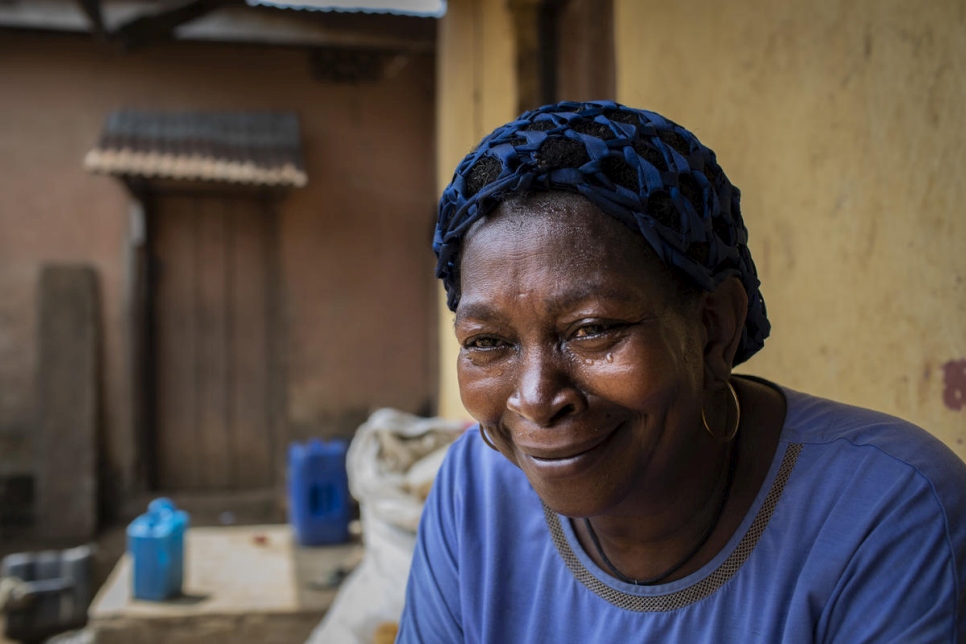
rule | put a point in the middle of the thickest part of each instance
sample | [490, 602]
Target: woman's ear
[723, 314]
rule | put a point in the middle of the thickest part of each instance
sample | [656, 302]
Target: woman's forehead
[560, 250]
[566, 224]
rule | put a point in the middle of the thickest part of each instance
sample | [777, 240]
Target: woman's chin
[576, 508]
[580, 497]
[585, 484]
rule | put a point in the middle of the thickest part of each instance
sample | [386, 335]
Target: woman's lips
[570, 459]
[565, 452]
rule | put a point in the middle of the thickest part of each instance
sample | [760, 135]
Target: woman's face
[575, 357]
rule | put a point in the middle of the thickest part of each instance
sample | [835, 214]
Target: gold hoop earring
[734, 431]
[486, 439]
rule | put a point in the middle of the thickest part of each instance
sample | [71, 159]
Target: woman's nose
[544, 391]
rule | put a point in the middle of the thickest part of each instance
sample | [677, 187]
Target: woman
[624, 485]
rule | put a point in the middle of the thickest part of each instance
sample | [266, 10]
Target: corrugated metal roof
[425, 8]
[259, 148]
[229, 23]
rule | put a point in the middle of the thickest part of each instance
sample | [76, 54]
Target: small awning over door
[255, 148]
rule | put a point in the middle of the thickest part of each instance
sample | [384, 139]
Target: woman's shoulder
[845, 440]
[815, 420]
[872, 520]
[488, 504]
[472, 469]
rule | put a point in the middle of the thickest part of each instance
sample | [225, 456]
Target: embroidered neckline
[700, 589]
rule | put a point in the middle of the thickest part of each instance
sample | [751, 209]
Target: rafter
[92, 9]
[160, 26]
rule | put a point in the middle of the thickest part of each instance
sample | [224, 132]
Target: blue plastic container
[318, 491]
[155, 541]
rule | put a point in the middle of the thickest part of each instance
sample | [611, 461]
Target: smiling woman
[565, 321]
[624, 485]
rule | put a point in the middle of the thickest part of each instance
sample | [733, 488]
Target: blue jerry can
[155, 541]
[318, 491]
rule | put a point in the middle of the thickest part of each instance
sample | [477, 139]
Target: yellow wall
[476, 92]
[844, 124]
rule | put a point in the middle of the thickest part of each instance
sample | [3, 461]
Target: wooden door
[212, 333]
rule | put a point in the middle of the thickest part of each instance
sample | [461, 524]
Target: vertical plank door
[212, 339]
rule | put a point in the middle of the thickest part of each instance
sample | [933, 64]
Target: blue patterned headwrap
[647, 172]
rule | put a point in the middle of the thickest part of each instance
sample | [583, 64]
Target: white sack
[391, 464]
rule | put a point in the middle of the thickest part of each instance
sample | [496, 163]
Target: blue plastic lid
[161, 520]
[161, 505]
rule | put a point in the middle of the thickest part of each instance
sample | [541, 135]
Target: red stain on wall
[954, 379]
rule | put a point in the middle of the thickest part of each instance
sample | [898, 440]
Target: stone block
[242, 584]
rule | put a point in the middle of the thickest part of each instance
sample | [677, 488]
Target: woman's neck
[645, 538]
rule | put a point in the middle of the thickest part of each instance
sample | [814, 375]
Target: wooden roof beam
[92, 9]
[160, 26]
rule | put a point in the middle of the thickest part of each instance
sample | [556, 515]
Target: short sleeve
[902, 582]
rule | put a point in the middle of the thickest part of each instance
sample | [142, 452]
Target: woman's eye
[590, 330]
[484, 343]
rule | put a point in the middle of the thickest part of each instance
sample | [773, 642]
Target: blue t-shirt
[857, 535]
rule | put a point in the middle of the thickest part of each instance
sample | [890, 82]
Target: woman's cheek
[629, 377]
[481, 390]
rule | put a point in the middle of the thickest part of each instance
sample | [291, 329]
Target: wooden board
[68, 371]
